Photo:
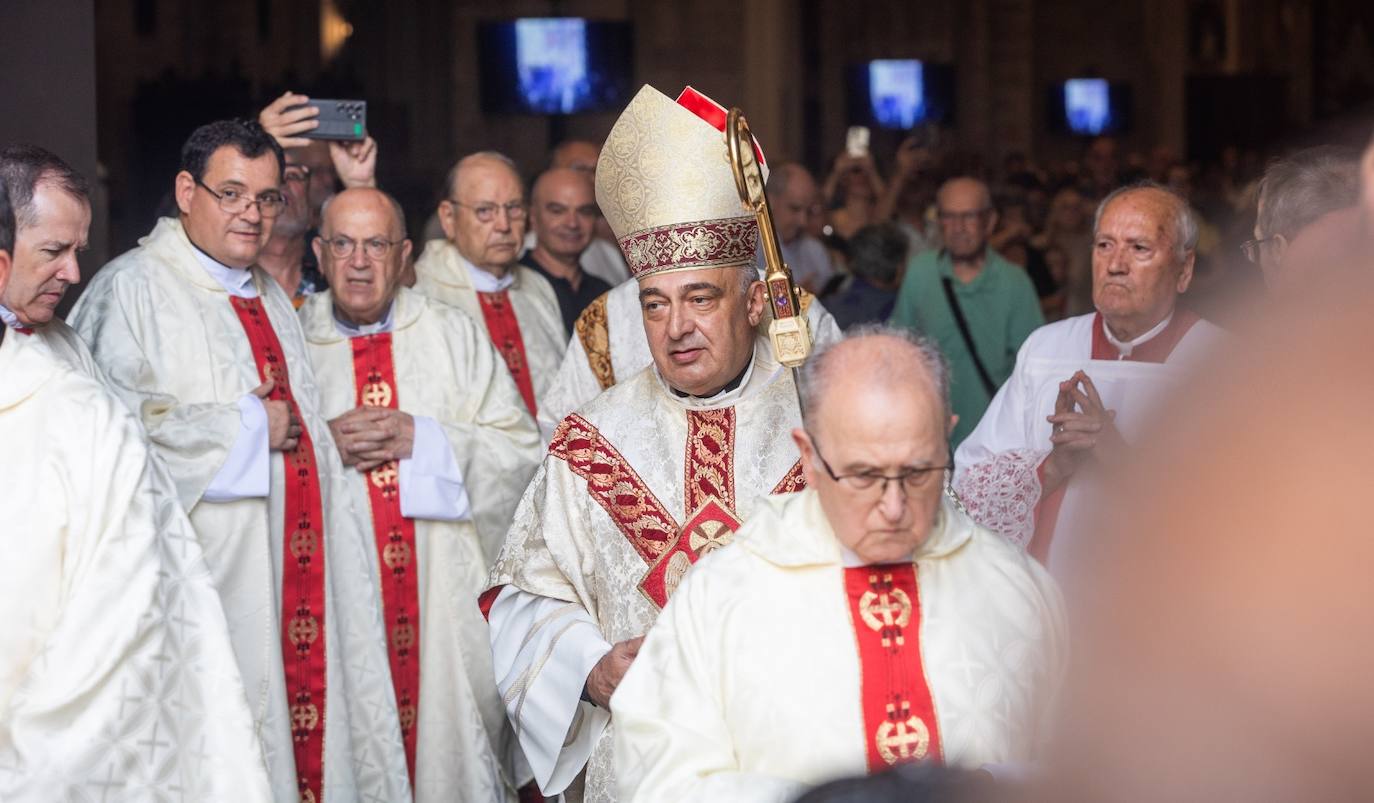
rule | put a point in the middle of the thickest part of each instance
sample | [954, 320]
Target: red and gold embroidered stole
[668, 548]
[374, 374]
[504, 329]
[303, 583]
[899, 711]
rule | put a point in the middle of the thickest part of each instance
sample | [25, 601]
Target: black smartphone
[342, 120]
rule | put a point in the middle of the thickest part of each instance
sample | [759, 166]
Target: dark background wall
[126, 80]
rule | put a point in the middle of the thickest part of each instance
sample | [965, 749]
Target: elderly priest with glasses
[878, 623]
[205, 348]
[476, 268]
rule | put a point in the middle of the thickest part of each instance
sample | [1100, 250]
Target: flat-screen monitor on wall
[554, 65]
[1089, 106]
[900, 93]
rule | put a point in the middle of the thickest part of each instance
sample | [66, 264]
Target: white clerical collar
[358, 330]
[237, 282]
[1124, 348]
[10, 319]
[484, 282]
[851, 560]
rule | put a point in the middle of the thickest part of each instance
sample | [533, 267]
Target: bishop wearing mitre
[439, 447]
[657, 471]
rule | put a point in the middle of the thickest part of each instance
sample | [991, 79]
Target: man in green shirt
[996, 299]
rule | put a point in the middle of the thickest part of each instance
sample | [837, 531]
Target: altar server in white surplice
[1083, 387]
[655, 472]
[117, 677]
[207, 350]
[440, 447]
[476, 268]
[860, 623]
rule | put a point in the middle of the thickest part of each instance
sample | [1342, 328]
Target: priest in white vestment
[52, 213]
[206, 349]
[476, 268]
[608, 344]
[117, 677]
[441, 447]
[862, 622]
[1082, 387]
[657, 471]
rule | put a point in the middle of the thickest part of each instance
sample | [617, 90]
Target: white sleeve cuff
[431, 481]
[246, 473]
[543, 650]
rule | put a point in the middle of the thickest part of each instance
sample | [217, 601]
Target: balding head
[576, 154]
[791, 195]
[966, 217]
[563, 213]
[484, 213]
[876, 403]
[1144, 237]
[363, 252]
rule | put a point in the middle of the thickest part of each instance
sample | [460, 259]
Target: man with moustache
[979, 307]
[52, 211]
[439, 447]
[206, 349]
[657, 471]
[563, 216]
[1082, 386]
[476, 269]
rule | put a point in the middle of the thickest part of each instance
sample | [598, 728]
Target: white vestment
[752, 686]
[446, 371]
[635, 487]
[117, 677]
[442, 273]
[997, 465]
[169, 339]
[609, 345]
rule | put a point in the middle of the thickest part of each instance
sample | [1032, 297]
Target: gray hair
[1184, 218]
[451, 179]
[24, 167]
[1300, 188]
[815, 371]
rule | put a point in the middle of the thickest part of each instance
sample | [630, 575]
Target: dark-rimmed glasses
[233, 202]
[909, 481]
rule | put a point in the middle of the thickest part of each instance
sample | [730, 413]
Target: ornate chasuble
[505, 334]
[898, 708]
[303, 584]
[374, 375]
[668, 548]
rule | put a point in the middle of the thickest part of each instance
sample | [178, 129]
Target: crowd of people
[302, 510]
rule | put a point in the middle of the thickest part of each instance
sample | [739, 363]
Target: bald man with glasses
[476, 269]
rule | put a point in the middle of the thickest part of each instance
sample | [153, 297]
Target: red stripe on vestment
[303, 583]
[899, 710]
[374, 375]
[504, 329]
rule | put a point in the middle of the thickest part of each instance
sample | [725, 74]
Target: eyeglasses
[297, 173]
[909, 481]
[374, 248]
[1251, 248]
[962, 217]
[486, 213]
[233, 202]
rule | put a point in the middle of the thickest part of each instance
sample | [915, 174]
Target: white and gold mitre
[665, 185]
